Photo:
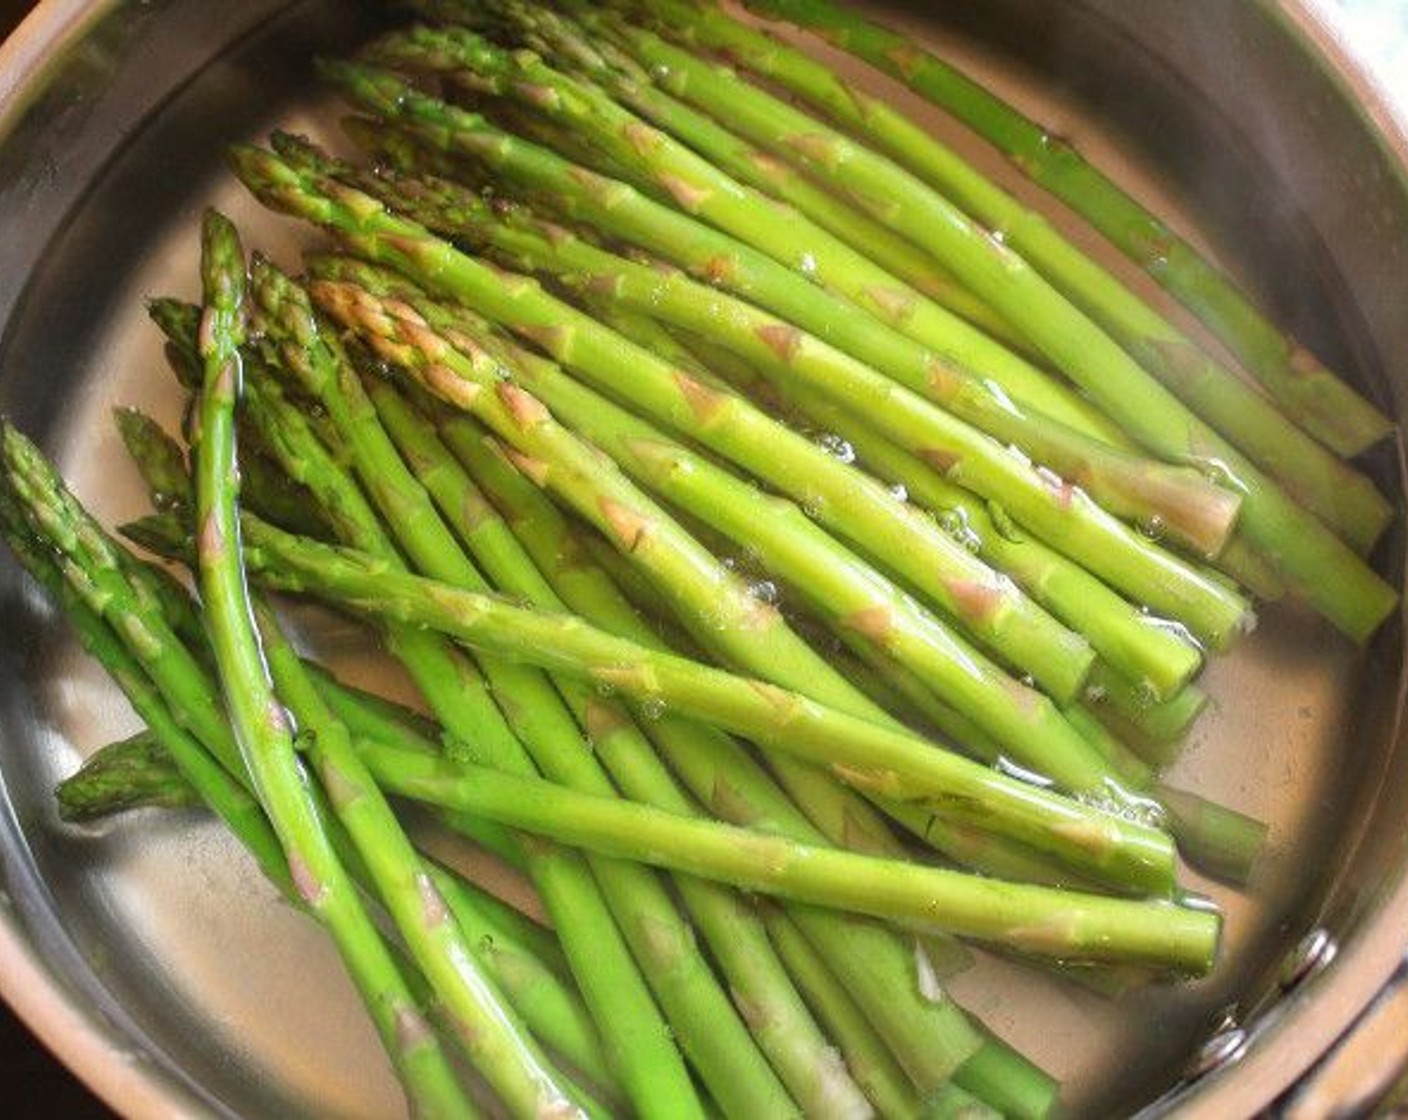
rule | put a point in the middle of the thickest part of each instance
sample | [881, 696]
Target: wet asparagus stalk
[1031, 729]
[869, 299]
[529, 415]
[863, 753]
[132, 773]
[1309, 393]
[863, 1049]
[569, 46]
[872, 963]
[261, 726]
[783, 1027]
[1314, 562]
[1128, 641]
[1059, 512]
[849, 503]
[70, 557]
[701, 1015]
[640, 1049]
[1334, 492]
[596, 350]
[1061, 924]
[490, 1030]
[1189, 508]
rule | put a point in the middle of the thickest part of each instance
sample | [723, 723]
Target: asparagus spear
[1077, 763]
[778, 1018]
[566, 43]
[160, 459]
[132, 773]
[1124, 637]
[873, 964]
[948, 573]
[722, 776]
[1058, 511]
[261, 725]
[1334, 492]
[703, 1019]
[400, 342]
[1189, 508]
[859, 601]
[1061, 924]
[864, 1051]
[920, 1028]
[138, 772]
[492, 1034]
[640, 1049]
[760, 226]
[717, 607]
[781, 534]
[82, 580]
[593, 349]
[1314, 562]
[862, 753]
[1311, 395]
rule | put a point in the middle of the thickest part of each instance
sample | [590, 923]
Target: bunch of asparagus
[601, 312]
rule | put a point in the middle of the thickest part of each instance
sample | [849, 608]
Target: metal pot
[148, 954]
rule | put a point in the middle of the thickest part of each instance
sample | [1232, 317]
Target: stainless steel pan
[152, 959]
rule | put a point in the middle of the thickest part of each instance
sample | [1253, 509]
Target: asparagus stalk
[1061, 924]
[859, 602]
[428, 1079]
[872, 963]
[715, 605]
[132, 773]
[262, 728]
[1159, 725]
[1058, 511]
[83, 583]
[160, 459]
[639, 1047]
[596, 351]
[1124, 636]
[1188, 508]
[722, 776]
[761, 228]
[863, 753]
[565, 43]
[703, 1019]
[552, 1010]
[1031, 728]
[399, 343]
[948, 574]
[779, 1020]
[492, 1034]
[1340, 496]
[1310, 394]
[1154, 661]
[138, 772]
[864, 1051]
[1314, 562]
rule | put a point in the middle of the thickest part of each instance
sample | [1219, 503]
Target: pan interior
[162, 926]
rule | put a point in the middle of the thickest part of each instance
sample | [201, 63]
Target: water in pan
[241, 993]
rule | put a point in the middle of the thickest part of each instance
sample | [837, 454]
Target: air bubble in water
[765, 591]
[836, 447]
